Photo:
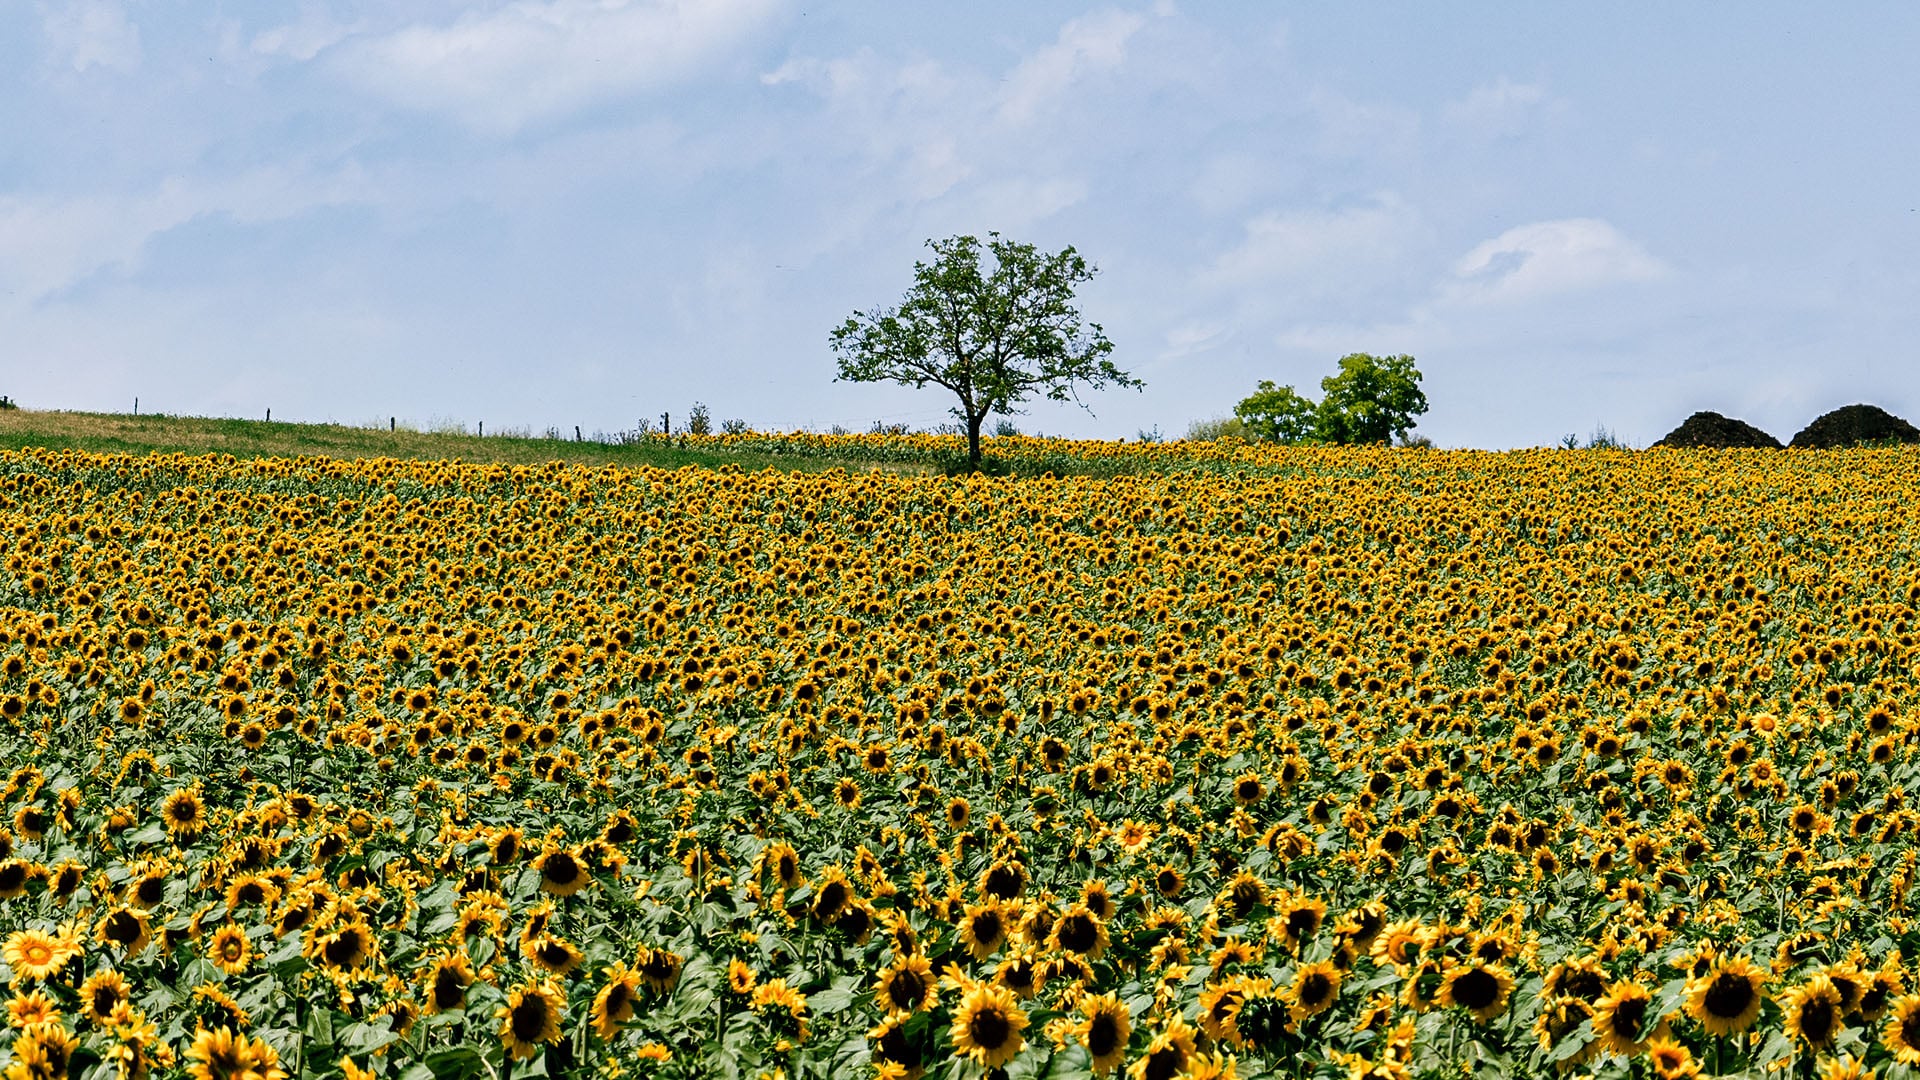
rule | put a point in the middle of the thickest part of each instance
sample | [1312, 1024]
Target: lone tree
[993, 338]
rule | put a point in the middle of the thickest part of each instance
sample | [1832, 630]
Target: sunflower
[229, 949]
[1581, 979]
[613, 1005]
[1104, 1030]
[552, 954]
[658, 968]
[125, 927]
[1813, 1012]
[987, 1025]
[30, 1009]
[14, 876]
[46, 1050]
[1298, 921]
[561, 873]
[1559, 1018]
[184, 813]
[1004, 880]
[782, 1010]
[447, 980]
[1021, 973]
[531, 1016]
[833, 895]
[1623, 1020]
[1168, 881]
[1480, 988]
[1079, 931]
[1168, 1055]
[36, 954]
[907, 985]
[898, 1050]
[343, 949]
[1671, 1060]
[784, 862]
[1726, 998]
[1901, 1036]
[1399, 943]
[1246, 893]
[1315, 988]
[741, 977]
[221, 1054]
[983, 929]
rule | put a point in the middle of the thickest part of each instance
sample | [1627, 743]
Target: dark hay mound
[1851, 425]
[1711, 431]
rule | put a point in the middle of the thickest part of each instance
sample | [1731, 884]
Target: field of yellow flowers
[1333, 763]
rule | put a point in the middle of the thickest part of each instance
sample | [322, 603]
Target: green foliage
[1278, 414]
[993, 338]
[699, 419]
[1371, 399]
[1216, 428]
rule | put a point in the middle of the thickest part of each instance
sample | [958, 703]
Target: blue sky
[560, 212]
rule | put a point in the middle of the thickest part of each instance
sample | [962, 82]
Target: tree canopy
[992, 337]
[1371, 399]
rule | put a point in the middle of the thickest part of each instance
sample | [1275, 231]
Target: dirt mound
[1851, 425]
[1711, 431]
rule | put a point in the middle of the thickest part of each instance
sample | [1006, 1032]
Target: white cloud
[49, 242]
[1499, 109]
[1549, 257]
[1318, 250]
[306, 37]
[91, 33]
[1091, 43]
[498, 70]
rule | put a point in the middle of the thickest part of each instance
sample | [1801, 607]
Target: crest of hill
[1851, 425]
[1711, 431]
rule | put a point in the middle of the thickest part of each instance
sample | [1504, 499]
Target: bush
[1216, 428]
[699, 420]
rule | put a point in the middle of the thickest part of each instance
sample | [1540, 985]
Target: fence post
[481, 428]
[576, 433]
[136, 406]
[391, 421]
[269, 416]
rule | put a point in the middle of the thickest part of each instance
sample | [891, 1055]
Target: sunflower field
[1252, 762]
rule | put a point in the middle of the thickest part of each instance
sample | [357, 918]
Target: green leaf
[836, 997]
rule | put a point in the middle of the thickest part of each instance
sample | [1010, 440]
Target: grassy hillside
[114, 433]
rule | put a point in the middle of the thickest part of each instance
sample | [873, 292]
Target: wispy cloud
[1087, 45]
[51, 242]
[499, 70]
[86, 34]
[1318, 250]
[1499, 109]
[1547, 258]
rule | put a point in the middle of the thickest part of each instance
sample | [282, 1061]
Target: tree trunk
[973, 441]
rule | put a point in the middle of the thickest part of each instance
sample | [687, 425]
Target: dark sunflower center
[1476, 989]
[1302, 924]
[619, 999]
[1910, 1028]
[343, 949]
[1728, 996]
[1165, 1064]
[906, 989]
[986, 927]
[1628, 1017]
[1103, 1034]
[989, 1028]
[1585, 985]
[1004, 883]
[561, 869]
[1315, 989]
[1079, 933]
[104, 999]
[449, 988]
[122, 928]
[1816, 1020]
[529, 1019]
[832, 898]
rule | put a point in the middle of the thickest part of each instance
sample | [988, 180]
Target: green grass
[114, 433]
